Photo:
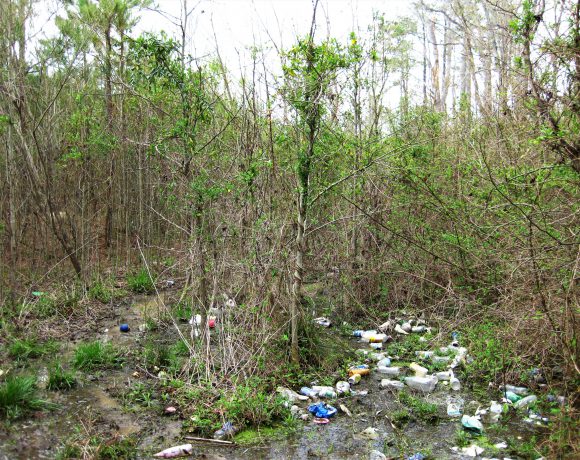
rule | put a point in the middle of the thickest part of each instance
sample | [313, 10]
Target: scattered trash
[322, 321]
[385, 362]
[376, 455]
[228, 430]
[441, 359]
[406, 327]
[520, 391]
[446, 375]
[471, 451]
[362, 369]
[169, 283]
[290, 395]
[471, 423]
[320, 420]
[37, 293]
[512, 397]
[453, 410]
[420, 371]
[424, 384]
[495, 411]
[309, 392]
[369, 433]
[525, 402]
[424, 354]
[417, 456]
[455, 383]
[124, 327]
[322, 410]
[357, 333]
[342, 388]
[386, 383]
[392, 371]
[386, 326]
[143, 327]
[211, 322]
[501, 445]
[419, 329]
[354, 379]
[377, 346]
[400, 330]
[170, 410]
[345, 410]
[177, 451]
[324, 391]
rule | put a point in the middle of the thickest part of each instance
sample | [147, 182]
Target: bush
[24, 349]
[98, 291]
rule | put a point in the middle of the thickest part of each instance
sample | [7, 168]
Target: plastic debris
[446, 375]
[342, 388]
[525, 402]
[392, 371]
[322, 321]
[345, 410]
[501, 445]
[354, 379]
[512, 397]
[228, 430]
[170, 410]
[290, 395]
[386, 326]
[385, 362]
[417, 456]
[309, 392]
[406, 327]
[324, 391]
[377, 346]
[369, 433]
[520, 391]
[471, 423]
[322, 410]
[470, 451]
[420, 371]
[419, 329]
[174, 452]
[424, 354]
[424, 384]
[455, 383]
[400, 330]
[387, 383]
[453, 410]
[124, 327]
[495, 411]
[376, 455]
[362, 369]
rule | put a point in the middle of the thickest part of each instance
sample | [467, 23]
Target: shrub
[24, 349]
[60, 379]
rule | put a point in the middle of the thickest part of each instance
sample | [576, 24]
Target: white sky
[240, 24]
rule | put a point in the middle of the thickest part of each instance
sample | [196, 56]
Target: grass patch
[253, 436]
[140, 282]
[25, 349]
[422, 410]
[60, 379]
[401, 417]
[98, 448]
[95, 355]
[99, 291]
[18, 396]
[140, 395]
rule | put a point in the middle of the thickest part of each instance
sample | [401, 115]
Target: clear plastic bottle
[424, 384]
[396, 384]
[392, 371]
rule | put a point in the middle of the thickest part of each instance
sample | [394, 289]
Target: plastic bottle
[228, 430]
[375, 338]
[377, 356]
[308, 392]
[418, 329]
[441, 359]
[354, 379]
[521, 391]
[366, 334]
[357, 333]
[385, 362]
[407, 327]
[495, 411]
[420, 371]
[525, 402]
[392, 371]
[377, 346]
[342, 388]
[387, 383]
[444, 375]
[512, 397]
[424, 384]
[424, 354]
[455, 383]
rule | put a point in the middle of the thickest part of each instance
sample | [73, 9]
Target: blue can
[124, 327]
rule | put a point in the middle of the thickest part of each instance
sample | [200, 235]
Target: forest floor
[116, 413]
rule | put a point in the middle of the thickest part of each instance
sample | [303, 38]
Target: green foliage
[30, 348]
[140, 282]
[99, 291]
[420, 409]
[59, 378]
[401, 417]
[140, 394]
[18, 396]
[95, 355]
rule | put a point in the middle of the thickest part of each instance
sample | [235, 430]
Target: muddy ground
[97, 406]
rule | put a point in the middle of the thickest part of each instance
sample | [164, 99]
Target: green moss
[260, 435]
